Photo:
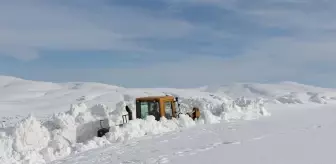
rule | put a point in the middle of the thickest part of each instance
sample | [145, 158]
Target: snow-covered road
[292, 135]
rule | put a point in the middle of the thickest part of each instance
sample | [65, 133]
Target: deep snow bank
[73, 131]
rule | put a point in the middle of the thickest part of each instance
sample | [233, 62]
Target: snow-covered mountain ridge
[283, 92]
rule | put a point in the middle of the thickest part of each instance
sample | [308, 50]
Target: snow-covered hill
[65, 116]
[284, 92]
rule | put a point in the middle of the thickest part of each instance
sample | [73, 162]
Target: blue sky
[194, 42]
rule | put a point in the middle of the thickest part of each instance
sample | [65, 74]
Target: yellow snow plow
[160, 106]
[157, 106]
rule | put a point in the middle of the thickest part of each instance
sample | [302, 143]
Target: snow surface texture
[74, 131]
[291, 136]
[40, 138]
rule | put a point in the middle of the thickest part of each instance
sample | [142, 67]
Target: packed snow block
[59, 144]
[247, 105]
[67, 124]
[80, 124]
[242, 108]
[209, 118]
[141, 127]
[202, 103]
[63, 120]
[83, 118]
[115, 134]
[75, 109]
[151, 126]
[224, 108]
[87, 131]
[239, 108]
[29, 135]
[58, 147]
[188, 103]
[92, 144]
[135, 128]
[100, 110]
[186, 121]
[120, 110]
[6, 148]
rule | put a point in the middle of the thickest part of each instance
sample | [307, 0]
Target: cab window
[154, 109]
[144, 109]
[168, 109]
[148, 108]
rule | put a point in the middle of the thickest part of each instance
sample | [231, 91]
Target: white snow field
[241, 123]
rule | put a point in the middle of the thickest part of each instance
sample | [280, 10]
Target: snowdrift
[74, 131]
[281, 93]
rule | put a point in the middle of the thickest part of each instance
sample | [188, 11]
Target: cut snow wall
[241, 108]
[75, 131]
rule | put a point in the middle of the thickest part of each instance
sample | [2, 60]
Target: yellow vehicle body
[160, 106]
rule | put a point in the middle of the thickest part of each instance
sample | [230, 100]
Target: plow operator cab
[161, 106]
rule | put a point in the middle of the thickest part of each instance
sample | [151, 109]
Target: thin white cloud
[280, 59]
[21, 53]
[192, 73]
[294, 49]
[36, 26]
[300, 21]
[308, 47]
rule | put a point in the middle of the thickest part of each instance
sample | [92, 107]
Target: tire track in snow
[189, 152]
[208, 147]
[157, 156]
